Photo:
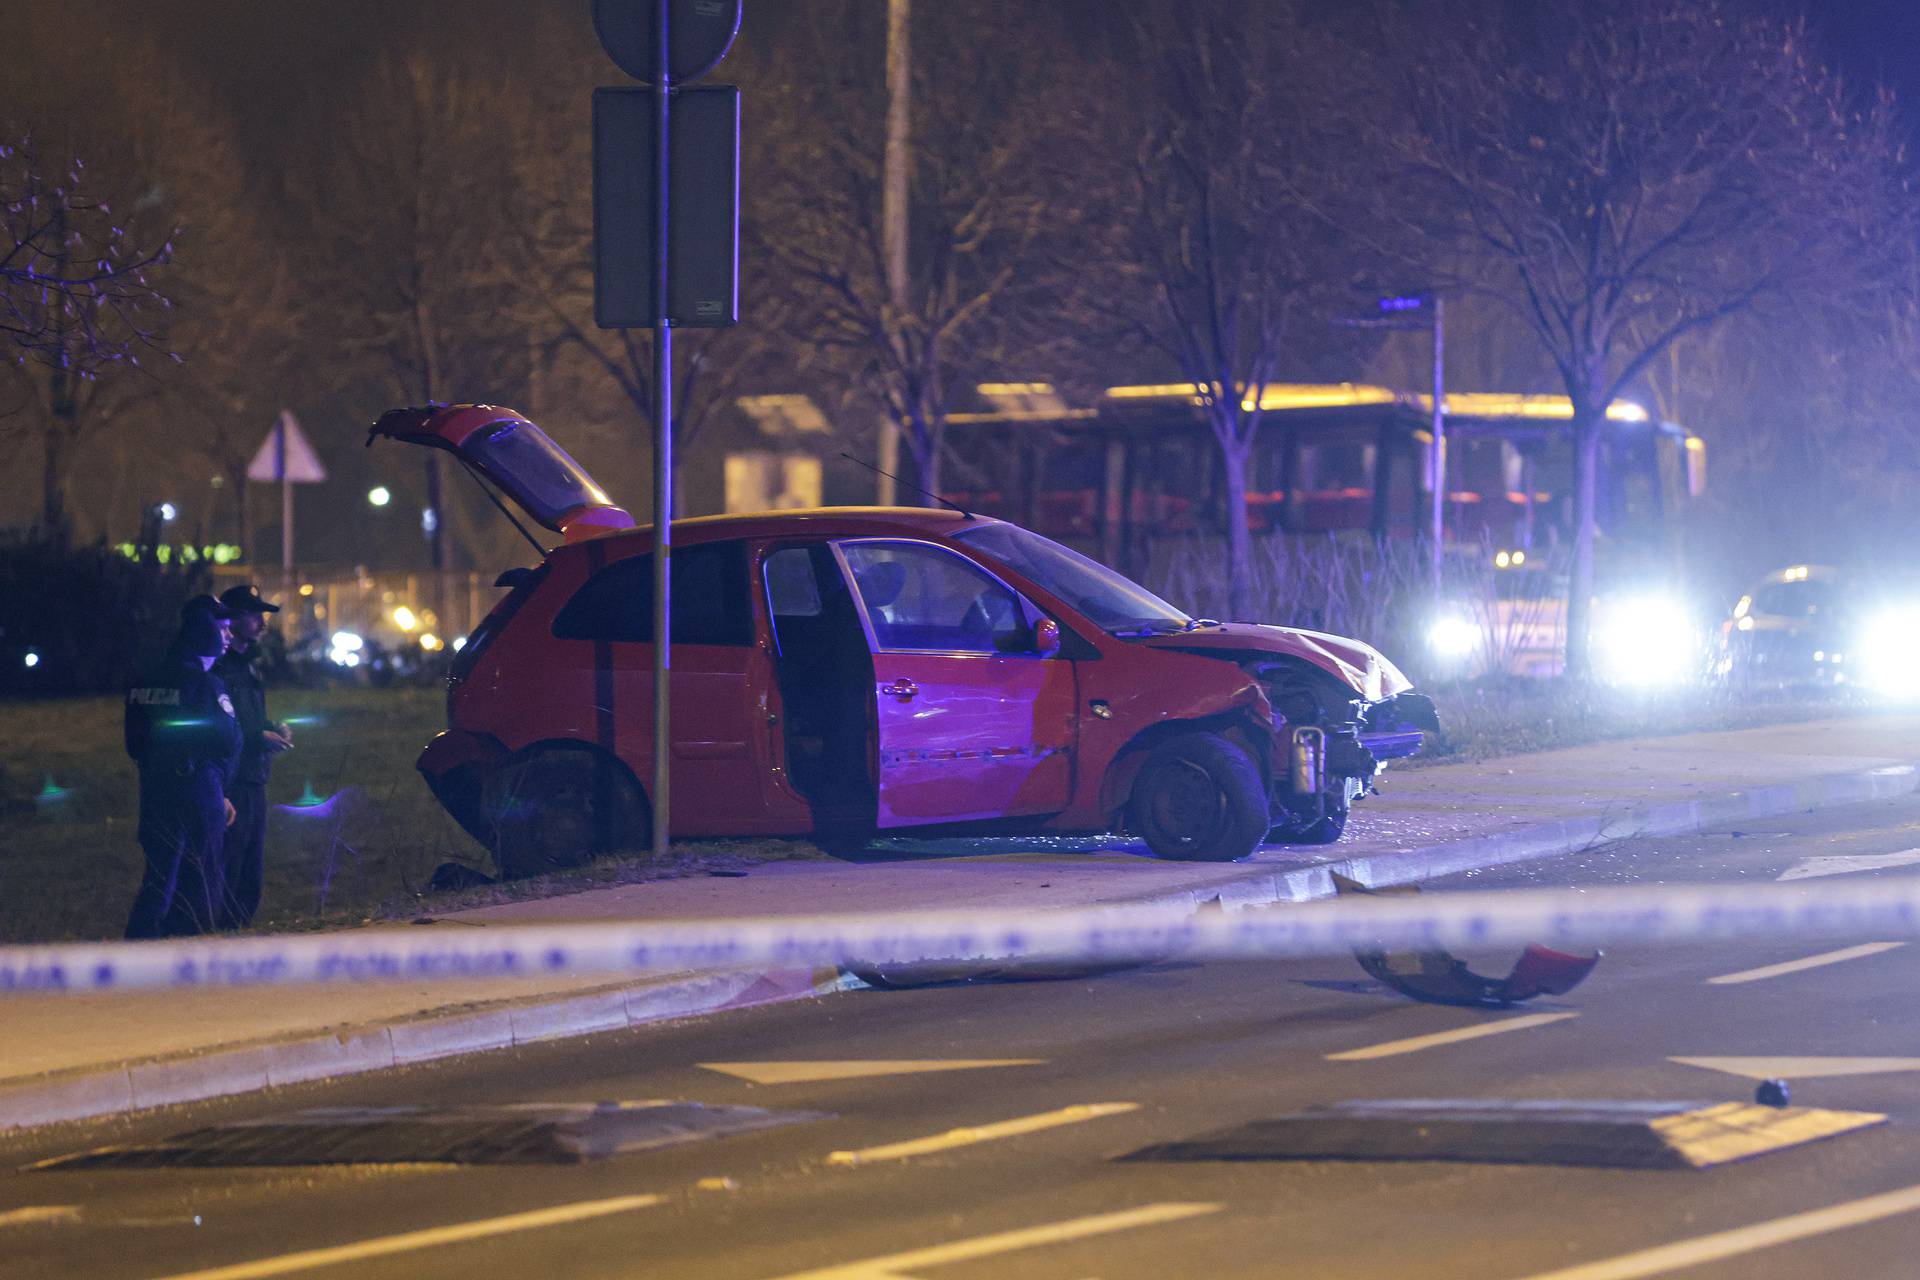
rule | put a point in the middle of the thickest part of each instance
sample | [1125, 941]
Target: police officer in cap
[181, 731]
[260, 741]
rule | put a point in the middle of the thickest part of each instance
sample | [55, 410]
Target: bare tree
[1625, 174]
[76, 299]
[550, 244]
[1215, 236]
[817, 157]
[407, 236]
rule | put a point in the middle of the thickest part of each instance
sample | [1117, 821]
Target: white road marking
[1847, 863]
[430, 1238]
[1811, 962]
[856, 1069]
[33, 1215]
[893, 1265]
[1415, 1044]
[1731, 1244]
[984, 1133]
[1800, 1068]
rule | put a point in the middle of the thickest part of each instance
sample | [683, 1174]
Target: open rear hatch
[516, 457]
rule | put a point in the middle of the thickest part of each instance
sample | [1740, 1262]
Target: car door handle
[903, 689]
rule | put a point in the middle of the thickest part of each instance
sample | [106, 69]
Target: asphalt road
[1019, 1174]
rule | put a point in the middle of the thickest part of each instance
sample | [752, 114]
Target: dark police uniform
[181, 730]
[244, 859]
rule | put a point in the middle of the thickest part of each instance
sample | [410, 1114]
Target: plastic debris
[1439, 977]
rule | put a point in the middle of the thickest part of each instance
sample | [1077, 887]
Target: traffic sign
[703, 227]
[699, 33]
[286, 455]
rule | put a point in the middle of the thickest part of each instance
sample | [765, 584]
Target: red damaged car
[852, 671]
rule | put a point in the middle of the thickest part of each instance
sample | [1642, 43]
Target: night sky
[263, 49]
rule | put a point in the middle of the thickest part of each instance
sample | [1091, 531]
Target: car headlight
[1453, 637]
[1885, 654]
[1645, 640]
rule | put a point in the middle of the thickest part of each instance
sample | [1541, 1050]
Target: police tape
[1573, 918]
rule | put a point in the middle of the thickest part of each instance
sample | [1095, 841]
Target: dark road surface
[1012, 1171]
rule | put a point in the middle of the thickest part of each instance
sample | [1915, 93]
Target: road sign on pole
[650, 174]
[699, 34]
[287, 457]
[704, 194]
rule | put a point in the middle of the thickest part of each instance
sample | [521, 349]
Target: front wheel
[561, 808]
[1199, 798]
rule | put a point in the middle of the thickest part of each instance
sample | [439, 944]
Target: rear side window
[710, 601]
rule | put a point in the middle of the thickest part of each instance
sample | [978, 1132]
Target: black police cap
[246, 599]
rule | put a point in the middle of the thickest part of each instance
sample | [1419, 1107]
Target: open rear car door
[517, 458]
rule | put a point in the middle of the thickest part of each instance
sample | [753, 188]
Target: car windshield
[1110, 600]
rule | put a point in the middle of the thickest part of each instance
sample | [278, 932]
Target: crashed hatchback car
[851, 671]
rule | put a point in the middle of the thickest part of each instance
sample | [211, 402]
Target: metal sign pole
[1439, 441]
[286, 505]
[662, 443]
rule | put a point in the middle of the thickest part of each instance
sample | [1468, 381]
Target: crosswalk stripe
[1414, 1044]
[893, 1265]
[386, 1245]
[984, 1133]
[1730, 1244]
[1810, 962]
[806, 1071]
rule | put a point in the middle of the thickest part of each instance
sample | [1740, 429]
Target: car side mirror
[1046, 637]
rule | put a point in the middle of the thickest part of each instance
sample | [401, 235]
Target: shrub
[92, 617]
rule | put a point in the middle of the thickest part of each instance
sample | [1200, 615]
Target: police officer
[261, 740]
[181, 731]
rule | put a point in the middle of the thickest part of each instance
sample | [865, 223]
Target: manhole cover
[1621, 1135]
[531, 1133]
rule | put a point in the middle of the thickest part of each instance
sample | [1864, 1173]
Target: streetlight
[379, 495]
[166, 511]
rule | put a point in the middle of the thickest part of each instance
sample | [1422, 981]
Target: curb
[1548, 840]
[87, 1093]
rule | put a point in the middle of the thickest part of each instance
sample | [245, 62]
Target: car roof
[806, 522]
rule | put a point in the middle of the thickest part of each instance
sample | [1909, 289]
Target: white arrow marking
[1810, 962]
[803, 1072]
[1801, 1068]
[1847, 863]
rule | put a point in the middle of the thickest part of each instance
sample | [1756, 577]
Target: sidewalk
[69, 1057]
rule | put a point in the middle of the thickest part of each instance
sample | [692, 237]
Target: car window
[923, 597]
[1793, 599]
[710, 602]
[792, 590]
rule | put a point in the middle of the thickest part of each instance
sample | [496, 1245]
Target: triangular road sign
[302, 463]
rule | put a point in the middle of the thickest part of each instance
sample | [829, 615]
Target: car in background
[1813, 627]
[1791, 630]
[853, 671]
